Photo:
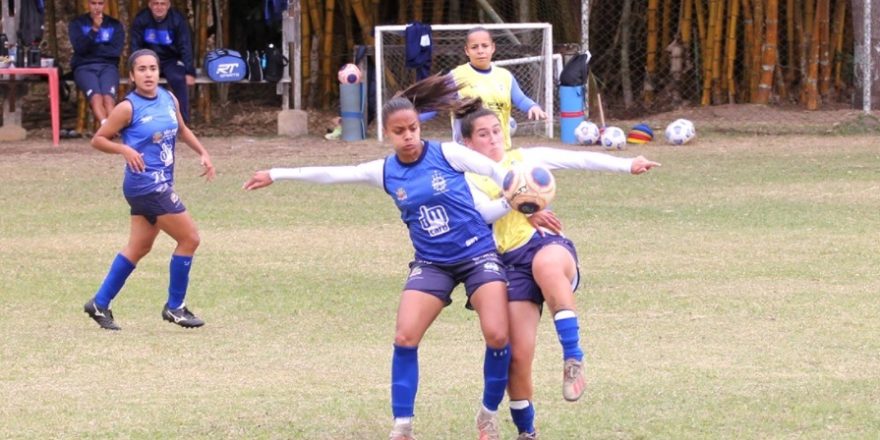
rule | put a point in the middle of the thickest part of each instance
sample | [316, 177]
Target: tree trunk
[717, 47]
[707, 51]
[872, 81]
[791, 62]
[756, 50]
[812, 101]
[825, 50]
[748, 45]
[837, 36]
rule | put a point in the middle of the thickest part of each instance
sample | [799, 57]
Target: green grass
[731, 293]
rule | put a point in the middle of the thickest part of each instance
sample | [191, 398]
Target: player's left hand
[259, 180]
[190, 80]
[208, 168]
[536, 113]
[545, 220]
[641, 165]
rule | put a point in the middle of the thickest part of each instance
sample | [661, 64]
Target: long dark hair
[434, 93]
[139, 53]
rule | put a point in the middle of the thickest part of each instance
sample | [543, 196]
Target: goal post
[526, 49]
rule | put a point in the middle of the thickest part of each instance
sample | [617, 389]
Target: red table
[54, 100]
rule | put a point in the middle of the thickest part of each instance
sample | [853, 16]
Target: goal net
[523, 48]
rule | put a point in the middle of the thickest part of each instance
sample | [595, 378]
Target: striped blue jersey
[152, 132]
[437, 206]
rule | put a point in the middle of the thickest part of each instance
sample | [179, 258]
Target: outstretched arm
[369, 173]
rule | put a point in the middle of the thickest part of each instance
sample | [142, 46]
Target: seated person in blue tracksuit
[165, 31]
[97, 41]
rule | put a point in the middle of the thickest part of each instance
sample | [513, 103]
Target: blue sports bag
[225, 65]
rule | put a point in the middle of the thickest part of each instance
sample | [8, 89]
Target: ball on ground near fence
[529, 188]
[640, 134]
[613, 138]
[512, 127]
[680, 132]
[349, 74]
[587, 133]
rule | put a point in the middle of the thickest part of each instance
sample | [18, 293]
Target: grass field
[732, 293]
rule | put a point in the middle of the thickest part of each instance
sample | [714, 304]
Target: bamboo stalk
[418, 10]
[717, 46]
[812, 86]
[699, 11]
[349, 29]
[651, 57]
[202, 92]
[756, 51]
[665, 30]
[790, 41]
[707, 51]
[685, 23]
[327, 73]
[363, 20]
[730, 51]
[437, 12]
[748, 44]
[825, 49]
[768, 52]
[837, 39]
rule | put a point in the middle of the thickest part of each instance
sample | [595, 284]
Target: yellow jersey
[493, 87]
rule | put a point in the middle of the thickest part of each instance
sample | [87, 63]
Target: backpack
[273, 71]
[225, 65]
[255, 68]
[576, 70]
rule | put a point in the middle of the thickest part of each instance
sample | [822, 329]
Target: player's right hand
[134, 159]
[259, 180]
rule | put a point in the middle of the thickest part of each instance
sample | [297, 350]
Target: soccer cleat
[573, 380]
[527, 436]
[487, 425]
[402, 431]
[104, 317]
[182, 317]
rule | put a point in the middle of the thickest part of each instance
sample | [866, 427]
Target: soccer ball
[587, 133]
[529, 188]
[349, 74]
[512, 127]
[613, 138]
[680, 132]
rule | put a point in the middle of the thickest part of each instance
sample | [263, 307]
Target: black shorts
[155, 204]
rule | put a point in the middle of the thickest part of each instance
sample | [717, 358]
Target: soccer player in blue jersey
[149, 122]
[541, 263]
[97, 41]
[453, 244]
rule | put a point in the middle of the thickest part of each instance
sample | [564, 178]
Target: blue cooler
[352, 102]
[571, 112]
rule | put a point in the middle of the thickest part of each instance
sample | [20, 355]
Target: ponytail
[436, 92]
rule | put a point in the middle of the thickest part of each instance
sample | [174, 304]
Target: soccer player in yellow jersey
[541, 263]
[496, 86]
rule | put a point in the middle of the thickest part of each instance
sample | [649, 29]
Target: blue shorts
[522, 285]
[440, 279]
[101, 79]
[153, 205]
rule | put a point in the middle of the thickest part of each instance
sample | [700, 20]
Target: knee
[496, 337]
[134, 252]
[190, 241]
[403, 339]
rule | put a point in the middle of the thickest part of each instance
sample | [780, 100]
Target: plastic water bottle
[12, 55]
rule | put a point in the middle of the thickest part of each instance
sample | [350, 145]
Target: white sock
[402, 420]
[487, 410]
[564, 314]
[519, 404]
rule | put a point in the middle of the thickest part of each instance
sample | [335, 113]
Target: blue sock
[404, 380]
[567, 329]
[495, 367]
[120, 269]
[179, 269]
[523, 414]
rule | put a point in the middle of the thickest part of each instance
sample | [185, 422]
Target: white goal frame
[547, 31]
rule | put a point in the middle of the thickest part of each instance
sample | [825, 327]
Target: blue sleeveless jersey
[437, 207]
[152, 132]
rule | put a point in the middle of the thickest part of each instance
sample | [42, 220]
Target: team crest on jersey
[401, 194]
[157, 137]
[438, 182]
